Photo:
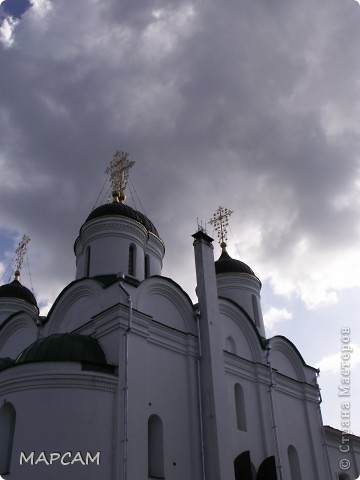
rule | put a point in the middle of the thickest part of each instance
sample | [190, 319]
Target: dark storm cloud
[14, 8]
[245, 105]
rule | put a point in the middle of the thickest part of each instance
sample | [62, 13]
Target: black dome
[226, 264]
[64, 347]
[116, 208]
[16, 290]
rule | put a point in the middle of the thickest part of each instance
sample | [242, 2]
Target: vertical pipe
[126, 383]
[322, 429]
[273, 416]
[197, 316]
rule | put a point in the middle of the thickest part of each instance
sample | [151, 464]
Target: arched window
[132, 260]
[294, 463]
[230, 345]
[147, 266]
[256, 310]
[155, 447]
[7, 429]
[87, 262]
[267, 469]
[240, 407]
[243, 467]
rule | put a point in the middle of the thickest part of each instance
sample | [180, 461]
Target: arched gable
[17, 333]
[286, 359]
[75, 306]
[240, 328]
[166, 302]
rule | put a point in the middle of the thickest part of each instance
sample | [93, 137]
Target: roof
[64, 347]
[121, 209]
[226, 264]
[16, 290]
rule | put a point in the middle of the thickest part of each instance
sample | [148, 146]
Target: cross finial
[20, 252]
[118, 172]
[220, 221]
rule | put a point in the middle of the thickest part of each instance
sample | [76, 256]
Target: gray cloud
[245, 105]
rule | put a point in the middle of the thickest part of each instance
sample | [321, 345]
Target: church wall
[16, 335]
[109, 241]
[245, 291]
[252, 435]
[299, 425]
[59, 408]
[15, 306]
[344, 453]
[162, 382]
[155, 250]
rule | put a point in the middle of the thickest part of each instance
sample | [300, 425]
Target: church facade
[127, 379]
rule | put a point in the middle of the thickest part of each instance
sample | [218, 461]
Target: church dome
[64, 347]
[121, 209]
[226, 264]
[16, 290]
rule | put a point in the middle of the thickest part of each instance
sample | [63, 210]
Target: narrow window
[147, 266]
[155, 447]
[230, 345]
[87, 262]
[132, 260]
[344, 476]
[7, 429]
[294, 463]
[256, 310]
[240, 407]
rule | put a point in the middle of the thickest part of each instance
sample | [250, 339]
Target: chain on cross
[20, 252]
[118, 172]
[220, 221]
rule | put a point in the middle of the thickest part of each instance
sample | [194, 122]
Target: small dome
[116, 208]
[64, 347]
[16, 290]
[226, 264]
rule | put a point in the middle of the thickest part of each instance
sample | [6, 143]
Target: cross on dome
[118, 171]
[20, 253]
[220, 221]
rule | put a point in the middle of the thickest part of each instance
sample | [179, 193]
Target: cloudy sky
[251, 104]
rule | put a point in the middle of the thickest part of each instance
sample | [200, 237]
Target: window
[147, 266]
[240, 407]
[155, 447]
[294, 463]
[243, 467]
[267, 469]
[256, 310]
[87, 262]
[7, 429]
[132, 260]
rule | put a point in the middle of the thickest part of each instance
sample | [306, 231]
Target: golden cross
[20, 252]
[220, 221]
[118, 172]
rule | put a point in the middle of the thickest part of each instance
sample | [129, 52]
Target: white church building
[127, 379]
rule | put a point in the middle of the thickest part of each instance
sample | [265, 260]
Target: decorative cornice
[98, 228]
[19, 378]
[237, 280]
